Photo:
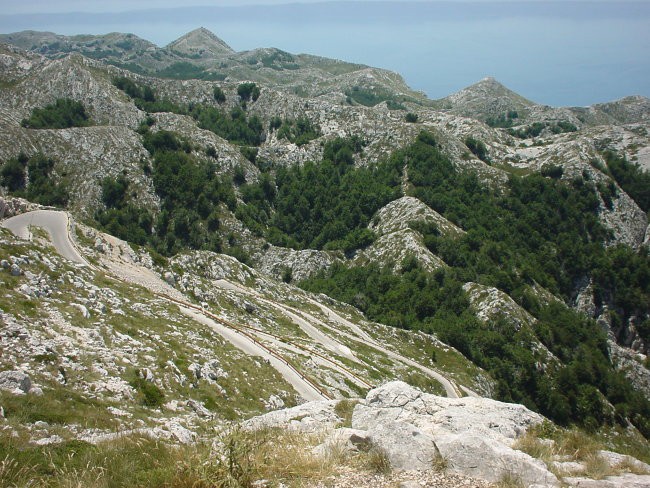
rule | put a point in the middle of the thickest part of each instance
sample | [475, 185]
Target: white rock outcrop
[15, 382]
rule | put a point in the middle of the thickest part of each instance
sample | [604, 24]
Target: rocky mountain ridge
[61, 317]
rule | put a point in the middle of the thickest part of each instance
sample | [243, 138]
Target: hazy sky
[557, 53]
[43, 6]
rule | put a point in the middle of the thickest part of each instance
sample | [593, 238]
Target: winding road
[54, 222]
[57, 224]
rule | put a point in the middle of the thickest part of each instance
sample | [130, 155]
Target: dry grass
[509, 480]
[440, 464]
[535, 447]
[376, 460]
[578, 445]
[344, 409]
[238, 460]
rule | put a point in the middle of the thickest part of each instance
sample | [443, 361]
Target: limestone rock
[627, 480]
[310, 417]
[344, 440]
[199, 409]
[406, 446]
[274, 403]
[275, 261]
[400, 214]
[615, 460]
[473, 435]
[398, 401]
[15, 381]
[480, 457]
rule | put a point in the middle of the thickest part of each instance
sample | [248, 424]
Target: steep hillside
[305, 229]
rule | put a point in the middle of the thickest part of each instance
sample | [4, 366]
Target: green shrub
[13, 174]
[248, 91]
[218, 94]
[299, 131]
[478, 148]
[149, 394]
[411, 117]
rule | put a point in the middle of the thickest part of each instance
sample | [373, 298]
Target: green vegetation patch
[43, 187]
[145, 97]
[541, 230]
[299, 131]
[634, 180]
[325, 205]
[184, 70]
[62, 114]
[235, 126]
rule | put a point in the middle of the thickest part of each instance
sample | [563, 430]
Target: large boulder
[434, 415]
[406, 446]
[472, 435]
[627, 480]
[480, 457]
[16, 382]
[308, 417]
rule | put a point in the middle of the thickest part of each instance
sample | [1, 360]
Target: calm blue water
[557, 53]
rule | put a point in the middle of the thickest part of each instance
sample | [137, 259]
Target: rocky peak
[402, 213]
[487, 98]
[202, 43]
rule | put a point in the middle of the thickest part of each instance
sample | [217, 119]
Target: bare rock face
[396, 225]
[632, 365]
[626, 480]
[473, 435]
[278, 261]
[309, 417]
[406, 446]
[483, 458]
[15, 381]
[399, 214]
[202, 43]
[392, 249]
[398, 401]
[10, 206]
[627, 221]
[491, 304]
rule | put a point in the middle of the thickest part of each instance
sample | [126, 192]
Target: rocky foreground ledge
[420, 434]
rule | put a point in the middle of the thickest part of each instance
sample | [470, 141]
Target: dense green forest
[235, 125]
[190, 194]
[539, 231]
[325, 205]
[33, 178]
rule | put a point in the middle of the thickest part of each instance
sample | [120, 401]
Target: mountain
[202, 55]
[487, 98]
[307, 229]
[200, 43]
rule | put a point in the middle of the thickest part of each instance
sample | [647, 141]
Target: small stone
[55, 439]
[15, 270]
[82, 308]
[169, 278]
[146, 374]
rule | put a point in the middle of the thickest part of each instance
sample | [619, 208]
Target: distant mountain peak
[486, 98]
[200, 42]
